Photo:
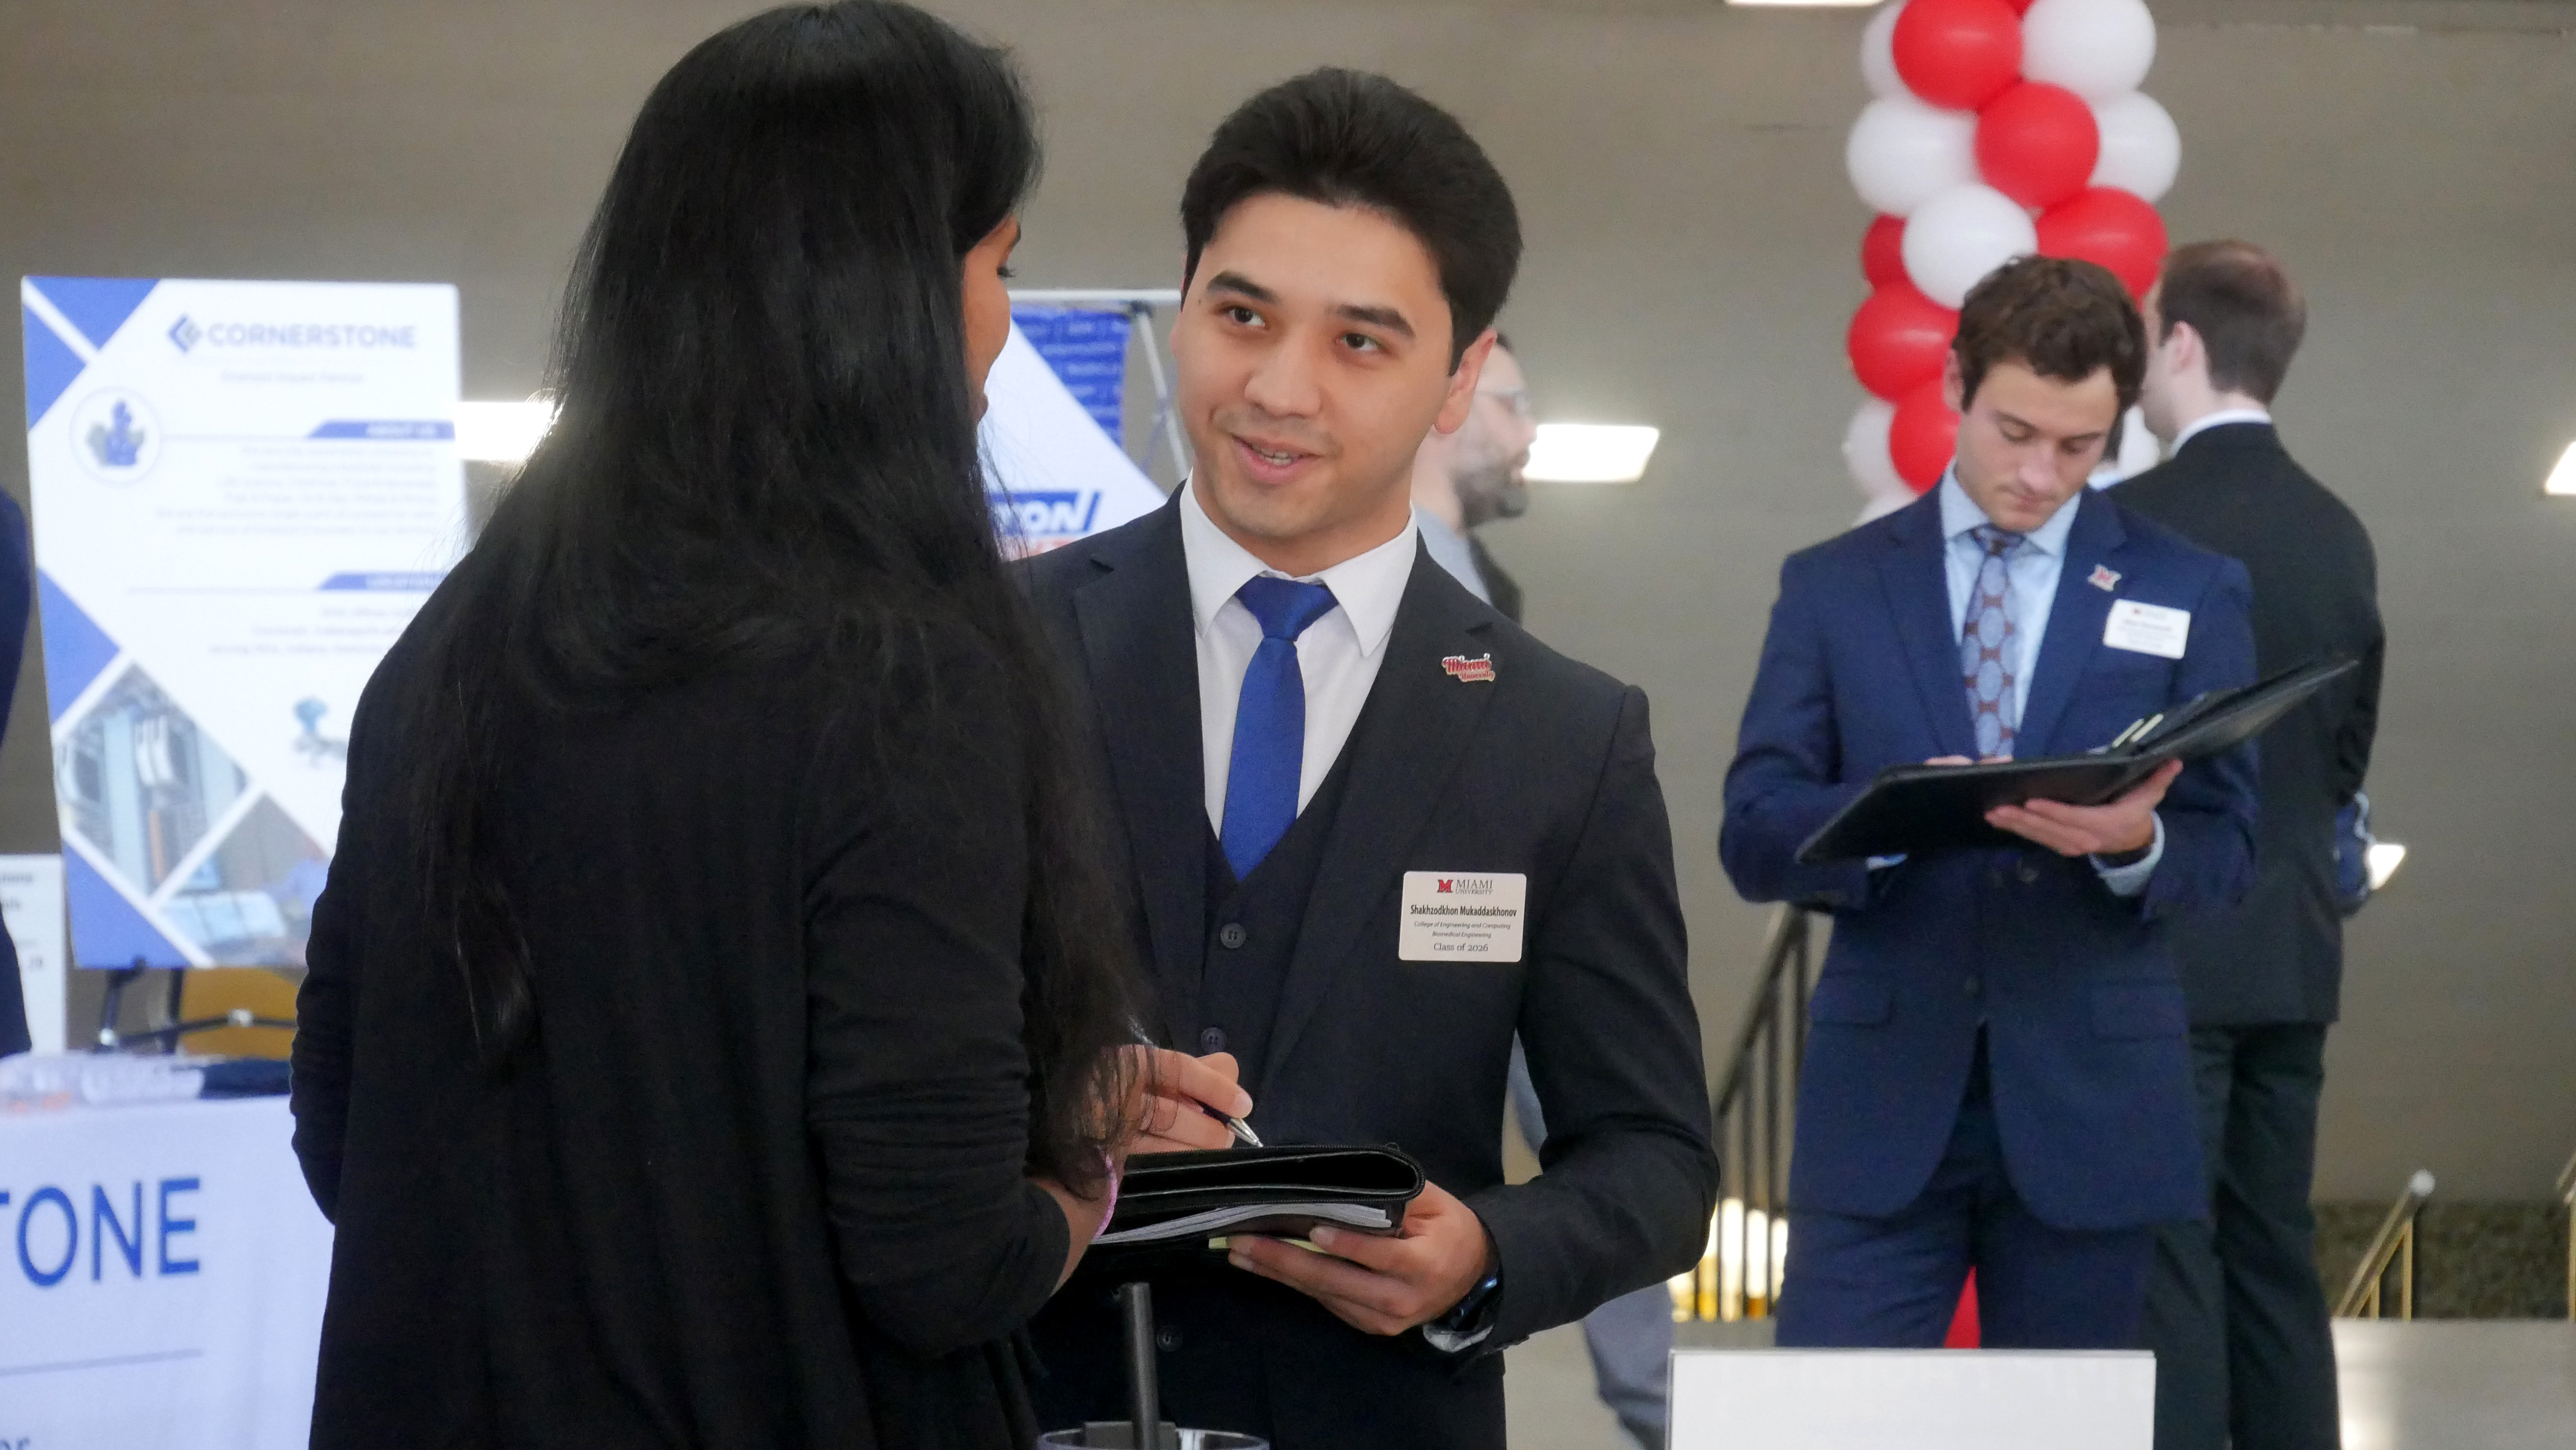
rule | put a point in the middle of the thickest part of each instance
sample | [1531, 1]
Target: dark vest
[1251, 933]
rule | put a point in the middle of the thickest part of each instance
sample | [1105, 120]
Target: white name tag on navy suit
[1456, 916]
[2147, 629]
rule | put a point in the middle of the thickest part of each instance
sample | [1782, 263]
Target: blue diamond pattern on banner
[51, 366]
[98, 306]
[112, 933]
[1087, 350]
[76, 649]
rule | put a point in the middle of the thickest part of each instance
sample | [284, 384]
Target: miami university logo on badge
[1481, 668]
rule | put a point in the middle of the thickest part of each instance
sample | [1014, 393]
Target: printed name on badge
[2147, 629]
[1457, 916]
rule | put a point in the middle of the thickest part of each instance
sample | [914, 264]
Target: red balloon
[1882, 251]
[2109, 226]
[2037, 143]
[2020, 7]
[1898, 339]
[1923, 436]
[1958, 53]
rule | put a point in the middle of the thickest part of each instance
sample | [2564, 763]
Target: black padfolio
[1181, 1200]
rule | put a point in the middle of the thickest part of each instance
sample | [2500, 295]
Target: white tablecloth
[161, 1279]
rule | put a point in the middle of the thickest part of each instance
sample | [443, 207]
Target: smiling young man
[1308, 729]
[1997, 1075]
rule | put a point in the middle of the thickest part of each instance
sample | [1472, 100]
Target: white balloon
[2141, 150]
[2139, 451]
[1902, 151]
[2096, 48]
[1880, 507]
[1953, 240]
[1865, 452]
[1878, 52]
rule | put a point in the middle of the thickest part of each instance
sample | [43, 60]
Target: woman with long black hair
[713, 1031]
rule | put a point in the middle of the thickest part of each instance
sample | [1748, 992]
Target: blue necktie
[1986, 645]
[1269, 721]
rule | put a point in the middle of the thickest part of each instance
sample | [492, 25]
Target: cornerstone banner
[243, 492]
[162, 1272]
[1051, 430]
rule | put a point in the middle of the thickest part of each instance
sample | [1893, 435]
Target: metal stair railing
[1752, 1112]
[2392, 1246]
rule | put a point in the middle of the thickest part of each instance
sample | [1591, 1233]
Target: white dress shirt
[2030, 578]
[2219, 419]
[1338, 655]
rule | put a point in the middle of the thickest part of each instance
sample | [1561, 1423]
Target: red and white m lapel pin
[1478, 670]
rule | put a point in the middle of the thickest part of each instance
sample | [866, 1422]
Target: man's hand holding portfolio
[1382, 1285]
[2124, 827]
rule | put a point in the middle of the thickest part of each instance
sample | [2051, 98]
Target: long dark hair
[767, 448]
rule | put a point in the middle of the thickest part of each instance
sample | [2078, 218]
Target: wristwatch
[1473, 1314]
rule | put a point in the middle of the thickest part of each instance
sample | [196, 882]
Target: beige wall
[1690, 265]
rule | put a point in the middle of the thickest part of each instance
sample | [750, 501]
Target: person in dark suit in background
[2236, 1315]
[1465, 480]
[715, 1014]
[1462, 481]
[1997, 1075]
[1319, 745]
[17, 593]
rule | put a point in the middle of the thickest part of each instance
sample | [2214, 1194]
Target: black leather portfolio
[1911, 808]
[1184, 1199]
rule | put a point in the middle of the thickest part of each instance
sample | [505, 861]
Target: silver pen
[1242, 1131]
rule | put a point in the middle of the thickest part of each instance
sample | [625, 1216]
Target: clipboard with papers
[1914, 808]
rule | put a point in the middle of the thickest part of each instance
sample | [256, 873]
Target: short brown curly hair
[2059, 317]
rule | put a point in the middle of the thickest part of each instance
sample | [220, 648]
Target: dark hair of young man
[2249, 315]
[1349, 138]
[2060, 318]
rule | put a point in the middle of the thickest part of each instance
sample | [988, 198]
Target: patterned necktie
[1269, 721]
[1986, 645]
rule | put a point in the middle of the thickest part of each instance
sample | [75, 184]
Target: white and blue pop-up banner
[243, 492]
[1051, 430]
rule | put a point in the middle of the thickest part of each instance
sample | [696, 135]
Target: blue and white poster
[243, 491]
[1057, 471]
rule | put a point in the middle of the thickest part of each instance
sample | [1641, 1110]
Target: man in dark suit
[1465, 480]
[2235, 1312]
[1317, 743]
[1997, 1075]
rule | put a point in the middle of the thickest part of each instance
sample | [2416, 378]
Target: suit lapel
[1917, 580]
[1403, 750]
[2075, 621]
[1139, 643]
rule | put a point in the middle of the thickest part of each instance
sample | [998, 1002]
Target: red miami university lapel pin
[2105, 578]
[1466, 670]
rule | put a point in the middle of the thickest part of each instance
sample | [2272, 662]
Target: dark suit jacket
[2074, 986]
[1549, 771]
[758, 1180]
[2278, 957]
[17, 592]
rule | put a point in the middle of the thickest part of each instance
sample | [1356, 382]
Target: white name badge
[1450, 916]
[2147, 629]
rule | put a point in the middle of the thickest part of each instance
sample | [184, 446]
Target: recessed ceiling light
[502, 432]
[1591, 452]
[2384, 858]
[2562, 479]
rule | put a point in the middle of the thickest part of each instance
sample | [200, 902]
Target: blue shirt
[1449, 550]
[2030, 581]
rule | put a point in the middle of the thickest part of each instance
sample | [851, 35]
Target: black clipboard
[1911, 808]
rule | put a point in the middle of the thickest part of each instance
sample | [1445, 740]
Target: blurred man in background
[1467, 479]
[1462, 481]
[2235, 1313]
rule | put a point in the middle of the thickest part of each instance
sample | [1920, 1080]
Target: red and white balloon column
[2000, 128]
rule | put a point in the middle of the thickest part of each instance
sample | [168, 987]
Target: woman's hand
[1172, 1094]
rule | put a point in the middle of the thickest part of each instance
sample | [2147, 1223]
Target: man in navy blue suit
[1998, 1075]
